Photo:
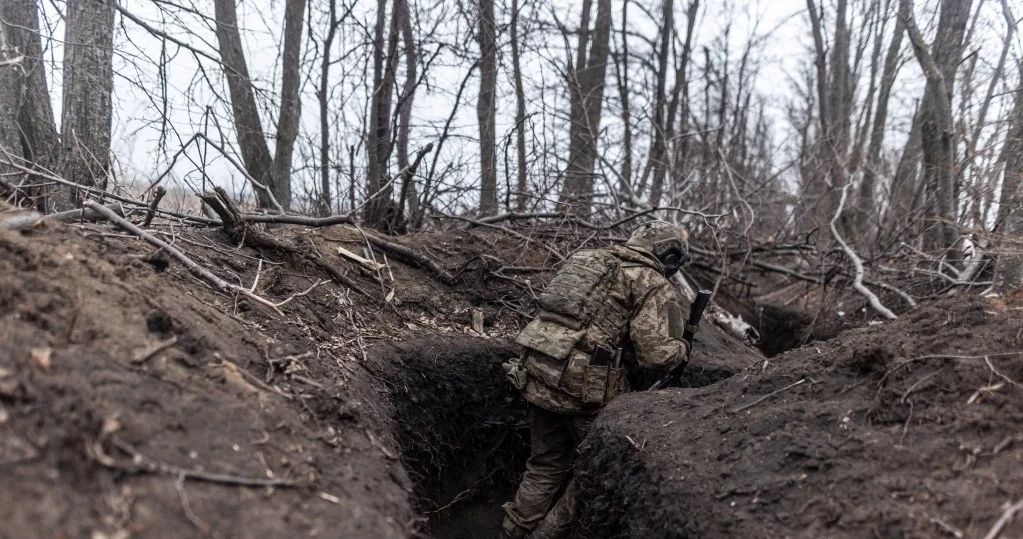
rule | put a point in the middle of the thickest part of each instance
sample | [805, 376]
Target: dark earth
[138, 402]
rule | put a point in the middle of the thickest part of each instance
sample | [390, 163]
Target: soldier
[601, 301]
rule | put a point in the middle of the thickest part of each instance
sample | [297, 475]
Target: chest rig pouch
[574, 301]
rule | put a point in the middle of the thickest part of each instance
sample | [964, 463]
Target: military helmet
[669, 243]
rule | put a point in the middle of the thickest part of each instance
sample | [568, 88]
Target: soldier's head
[669, 243]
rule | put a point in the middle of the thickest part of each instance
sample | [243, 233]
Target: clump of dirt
[903, 429]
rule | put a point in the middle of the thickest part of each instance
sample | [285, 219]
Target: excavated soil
[137, 402]
[906, 429]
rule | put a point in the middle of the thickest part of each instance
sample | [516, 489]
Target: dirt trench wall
[906, 429]
[460, 425]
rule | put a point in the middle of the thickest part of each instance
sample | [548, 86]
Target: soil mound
[906, 429]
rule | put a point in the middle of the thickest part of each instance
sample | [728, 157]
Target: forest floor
[137, 402]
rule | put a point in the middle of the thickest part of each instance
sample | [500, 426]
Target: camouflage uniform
[632, 304]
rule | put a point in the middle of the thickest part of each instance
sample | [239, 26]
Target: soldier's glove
[516, 373]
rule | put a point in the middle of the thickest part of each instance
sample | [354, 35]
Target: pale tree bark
[587, 96]
[936, 127]
[1008, 276]
[291, 103]
[87, 113]
[486, 107]
[520, 114]
[251, 139]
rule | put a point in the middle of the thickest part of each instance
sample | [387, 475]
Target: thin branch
[857, 263]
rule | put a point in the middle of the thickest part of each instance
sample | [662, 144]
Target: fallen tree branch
[410, 256]
[84, 214]
[142, 464]
[857, 263]
[1004, 520]
[201, 272]
[769, 395]
[236, 227]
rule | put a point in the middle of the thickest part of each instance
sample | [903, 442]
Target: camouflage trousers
[537, 509]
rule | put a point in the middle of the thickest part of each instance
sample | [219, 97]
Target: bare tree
[87, 113]
[378, 141]
[520, 112]
[291, 105]
[274, 173]
[486, 109]
[936, 127]
[586, 87]
[1009, 268]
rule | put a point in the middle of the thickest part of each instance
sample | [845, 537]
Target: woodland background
[861, 137]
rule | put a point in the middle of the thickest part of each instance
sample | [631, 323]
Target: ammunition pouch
[601, 383]
[516, 373]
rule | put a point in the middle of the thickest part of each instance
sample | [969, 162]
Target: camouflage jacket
[655, 315]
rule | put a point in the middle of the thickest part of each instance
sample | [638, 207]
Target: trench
[462, 429]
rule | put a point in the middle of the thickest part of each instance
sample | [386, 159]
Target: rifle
[695, 314]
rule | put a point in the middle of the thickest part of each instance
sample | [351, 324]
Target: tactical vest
[579, 312]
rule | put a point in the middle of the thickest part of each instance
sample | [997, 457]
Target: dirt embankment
[906, 429]
[138, 402]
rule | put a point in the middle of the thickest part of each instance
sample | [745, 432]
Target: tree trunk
[625, 187]
[408, 188]
[486, 107]
[658, 152]
[1008, 276]
[936, 128]
[520, 114]
[378, 141]
[866, 201]
[38, 144]
[323, 96]
[291, 103]
[249, 130]
[587, 100]
[87, 112]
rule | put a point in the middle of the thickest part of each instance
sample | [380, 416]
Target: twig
[306, 292]
[196, 269]
[153, 204]
[1004, 520]
[769, 395]
[142, 464]
[857, 263]
[204, 527]
[954, 532]
[144, 355]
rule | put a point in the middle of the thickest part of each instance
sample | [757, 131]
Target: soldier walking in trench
[601, 302]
